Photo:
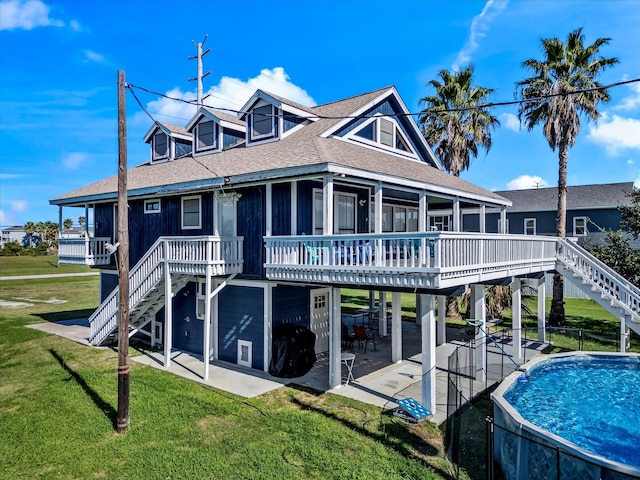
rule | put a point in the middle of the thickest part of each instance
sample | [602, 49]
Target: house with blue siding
[241, 224]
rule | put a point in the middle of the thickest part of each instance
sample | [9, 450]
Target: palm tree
[29, 229]
[562, 87]
[81, 221]
[68, 223]
[451, 122]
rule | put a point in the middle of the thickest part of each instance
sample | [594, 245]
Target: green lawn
[42, 265]
[58, 403]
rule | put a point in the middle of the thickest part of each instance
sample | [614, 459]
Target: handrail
[185, 255]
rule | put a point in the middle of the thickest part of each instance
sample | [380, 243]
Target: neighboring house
[13, 234]
[589, 209]
[251, 222]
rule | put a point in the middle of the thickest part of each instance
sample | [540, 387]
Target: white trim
[191, 227]
[151, 201]
[216, 138]
[157, 157]
[249, 362]
[535, 229]
[586, 231]
[316, 191]
[273, 117]
[377, 144]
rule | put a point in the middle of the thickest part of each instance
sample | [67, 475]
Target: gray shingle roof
[578, 197]
[302, 151]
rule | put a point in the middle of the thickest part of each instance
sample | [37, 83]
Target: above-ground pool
[576, 414]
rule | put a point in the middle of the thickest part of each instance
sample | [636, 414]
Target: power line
[459, 109]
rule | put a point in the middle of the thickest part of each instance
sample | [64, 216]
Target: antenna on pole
[200, 76]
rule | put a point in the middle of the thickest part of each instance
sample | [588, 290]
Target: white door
[320, 319]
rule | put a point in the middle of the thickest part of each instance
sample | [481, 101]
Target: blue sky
[59, 63]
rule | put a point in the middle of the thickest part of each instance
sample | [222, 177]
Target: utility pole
[124, 365]
[200, 76]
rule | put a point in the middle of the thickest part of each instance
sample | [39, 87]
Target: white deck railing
[420, 260]
[83, 251]
[595, 273]
[184, 256]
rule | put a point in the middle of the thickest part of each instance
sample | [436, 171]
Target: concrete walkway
[49, 275]
[377, 381]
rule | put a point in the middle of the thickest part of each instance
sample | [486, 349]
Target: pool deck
[377, 381]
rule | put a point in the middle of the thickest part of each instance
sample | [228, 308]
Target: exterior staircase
[181, 259]
[601, 283]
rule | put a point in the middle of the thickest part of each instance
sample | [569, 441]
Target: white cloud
[26, 15]
[630, 161]
[18, 205]
[7, 218]
[91, 56]
[632, 101]
[10, 176]
[74, 160]
[616, 133]
[230, 93]
[524, 182]
[479, 27]
[510, 121]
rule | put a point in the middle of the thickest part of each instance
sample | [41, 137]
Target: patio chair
[347, 338]
[362, 336]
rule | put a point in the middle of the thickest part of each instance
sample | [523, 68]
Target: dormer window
[264, 120]
[386, 132]
[160, 146]
[206, 136]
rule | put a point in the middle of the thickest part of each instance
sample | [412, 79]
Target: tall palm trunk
[556, 314]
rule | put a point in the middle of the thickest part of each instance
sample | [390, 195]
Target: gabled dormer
[384, 123]
[168, 142]
[270, 118]
[212, 131]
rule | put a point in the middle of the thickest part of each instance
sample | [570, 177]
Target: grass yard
[42, 265]
[58, 403]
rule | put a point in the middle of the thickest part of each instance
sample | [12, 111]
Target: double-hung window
[579, 226]
[206, 135]
[529, 226]
[263, 121]
[160, 146]
[344, 216]
[191, 213]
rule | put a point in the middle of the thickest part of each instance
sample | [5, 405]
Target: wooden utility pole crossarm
[124, 365]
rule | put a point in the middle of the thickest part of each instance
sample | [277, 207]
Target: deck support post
[542, 294]
[294, 207]
[516, 325]
[479, 312]
[168, 308]
[207, 312]
[482, 218]
[335, 332]
[427, 314]
[442, 320]
[624, 334]
[396, 327]
[456, 215]
[382, 313]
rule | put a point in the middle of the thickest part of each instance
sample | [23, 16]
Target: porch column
[168, 311]
[503, 219]
[382, 313]
[372, 298]
[479, 312]
[542, 293]
[482, 218]
[456, 215]
[294, 207]
[335, 331]
[216, 215]
[214, 327]
[379, 255]
[268, 209]
[422, 228]
[207, 312]
[86, 220]
[427, 314]
[59, 221]
[327, 211]
[442, 320]
[516, 306]
[268, 322]
[396, 327]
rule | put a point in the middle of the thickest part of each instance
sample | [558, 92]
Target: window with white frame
[191, 212]
[228, 217]
[152, 205]
[506, 226]
[206, 136]
[387, 218]
[384, 131]
[263, 122]
[579, 226]
[399, 219]
[344, 216]
[412, 219]
[529, 226]
[439, 223]
[160, 146]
